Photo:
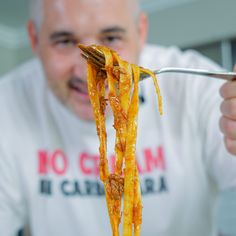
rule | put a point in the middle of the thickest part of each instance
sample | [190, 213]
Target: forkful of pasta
[113, 81]
[96, 57]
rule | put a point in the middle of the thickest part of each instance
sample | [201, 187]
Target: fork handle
[221, 75]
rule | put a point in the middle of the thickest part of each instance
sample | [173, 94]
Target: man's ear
[143, 28]
[33, 36]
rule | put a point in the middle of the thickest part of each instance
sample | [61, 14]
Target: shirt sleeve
[12, 206]
[219, 163]
[202, 101]
[195, 102]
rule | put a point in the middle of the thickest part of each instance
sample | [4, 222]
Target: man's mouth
[78, 85]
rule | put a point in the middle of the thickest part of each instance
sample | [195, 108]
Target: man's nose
[79, 65]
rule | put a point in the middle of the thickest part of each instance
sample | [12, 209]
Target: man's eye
[66, 43]
[112, 40]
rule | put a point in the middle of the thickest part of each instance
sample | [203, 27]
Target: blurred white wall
[14, 47]
[192, 22]
[13, 38]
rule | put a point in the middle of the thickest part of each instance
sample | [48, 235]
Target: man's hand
[228, 119]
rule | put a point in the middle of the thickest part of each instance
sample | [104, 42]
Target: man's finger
[230, 145]
[228, 108]
[228, 127]
[228, 90]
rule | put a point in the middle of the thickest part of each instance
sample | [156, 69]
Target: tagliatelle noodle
[122, 79]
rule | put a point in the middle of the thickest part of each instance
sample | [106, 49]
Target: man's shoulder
[26, 71]
[157, 56]
[20, 92]
[21, 80]
[179, 89]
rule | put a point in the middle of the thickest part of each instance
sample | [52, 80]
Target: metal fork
[96, 57]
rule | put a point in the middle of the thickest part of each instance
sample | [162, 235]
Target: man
[49, 149]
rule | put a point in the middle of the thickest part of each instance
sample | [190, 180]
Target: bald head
[36, 10]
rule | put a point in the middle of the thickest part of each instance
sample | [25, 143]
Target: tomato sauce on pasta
[121, 79]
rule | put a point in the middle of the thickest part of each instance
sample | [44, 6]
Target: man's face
[69, 22]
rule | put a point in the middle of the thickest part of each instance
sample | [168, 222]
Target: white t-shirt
[49, 158]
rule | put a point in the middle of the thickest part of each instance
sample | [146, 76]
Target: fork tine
[97, 58]
[92, 60]
[93, 55]
[98, 55]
